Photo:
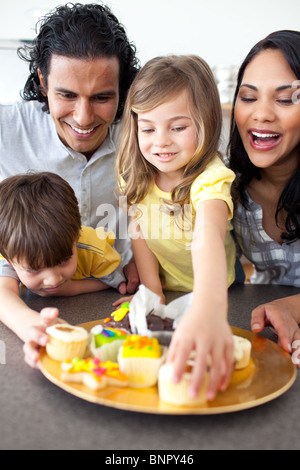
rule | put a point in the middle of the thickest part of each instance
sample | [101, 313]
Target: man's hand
[133, 280]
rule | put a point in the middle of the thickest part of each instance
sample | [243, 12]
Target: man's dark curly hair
[83, 32]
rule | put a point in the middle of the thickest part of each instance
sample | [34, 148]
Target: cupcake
[93, 373]
[66, 342]
[242, 352]
[140, 358]
[105, 342]
[178, 394]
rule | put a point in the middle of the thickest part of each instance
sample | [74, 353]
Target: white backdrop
[221, 31]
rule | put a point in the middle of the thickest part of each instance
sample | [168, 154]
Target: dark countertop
[35, 414]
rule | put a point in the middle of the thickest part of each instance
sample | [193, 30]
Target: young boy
[44, 247]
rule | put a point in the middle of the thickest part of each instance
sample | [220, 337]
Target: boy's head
[39, 221]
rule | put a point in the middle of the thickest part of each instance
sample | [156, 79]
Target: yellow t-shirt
[96, 256]
[170, 239]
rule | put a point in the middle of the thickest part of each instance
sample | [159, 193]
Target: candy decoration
[107, 335]
[141, 346]
[119, 314]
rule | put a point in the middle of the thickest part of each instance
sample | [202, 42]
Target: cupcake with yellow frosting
[66, 342]
[140, 358]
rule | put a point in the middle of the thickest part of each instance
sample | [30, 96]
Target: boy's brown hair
[39, 219]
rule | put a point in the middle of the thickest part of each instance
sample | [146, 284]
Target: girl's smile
[165, 157]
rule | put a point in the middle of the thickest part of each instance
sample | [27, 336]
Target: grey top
[29, 141]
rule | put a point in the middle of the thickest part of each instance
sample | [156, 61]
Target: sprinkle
[107, 333]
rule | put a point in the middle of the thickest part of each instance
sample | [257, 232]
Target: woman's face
[267, 111]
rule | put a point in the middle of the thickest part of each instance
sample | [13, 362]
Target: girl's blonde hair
[158, 81]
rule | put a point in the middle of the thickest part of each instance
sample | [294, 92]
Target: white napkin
[146, 301]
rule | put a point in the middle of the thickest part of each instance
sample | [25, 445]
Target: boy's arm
[14, 313]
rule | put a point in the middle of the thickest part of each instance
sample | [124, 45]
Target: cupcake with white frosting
[66, 342]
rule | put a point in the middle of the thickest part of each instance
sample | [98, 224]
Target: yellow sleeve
[214, 183]
[96, 256]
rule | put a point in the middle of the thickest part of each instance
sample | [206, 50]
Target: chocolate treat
[154, 322]
[124, 323]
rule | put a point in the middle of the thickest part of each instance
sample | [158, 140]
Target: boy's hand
[37, 336]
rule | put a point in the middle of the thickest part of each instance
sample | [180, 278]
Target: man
[81, 66]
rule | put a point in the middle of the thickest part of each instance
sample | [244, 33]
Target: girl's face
[168, 139]
[48, 281]
[267, 111]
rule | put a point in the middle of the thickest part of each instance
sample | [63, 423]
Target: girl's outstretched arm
[204, 328]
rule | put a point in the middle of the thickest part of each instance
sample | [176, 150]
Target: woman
[264, 153]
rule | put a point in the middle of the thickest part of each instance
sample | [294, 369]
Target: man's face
[83, 96]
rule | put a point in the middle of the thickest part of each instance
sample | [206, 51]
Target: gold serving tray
[270, 373]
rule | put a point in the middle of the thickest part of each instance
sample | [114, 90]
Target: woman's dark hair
[83, 32]
[288, 43]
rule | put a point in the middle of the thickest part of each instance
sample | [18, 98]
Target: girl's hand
[278, 315]
[37, 336]
[213, 345]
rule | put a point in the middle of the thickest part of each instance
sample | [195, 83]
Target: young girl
[178, 193]
[265, 154]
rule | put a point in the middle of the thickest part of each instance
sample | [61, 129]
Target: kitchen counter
[36, 414]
